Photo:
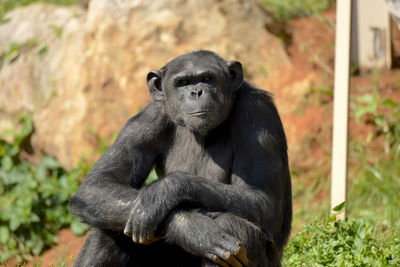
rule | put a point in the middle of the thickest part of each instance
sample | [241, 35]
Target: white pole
[341, 104]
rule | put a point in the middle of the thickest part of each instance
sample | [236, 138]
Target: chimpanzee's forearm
[243, 201]
[103, 204]
[251, 204]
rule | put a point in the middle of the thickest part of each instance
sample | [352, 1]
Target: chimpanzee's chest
[209, 157]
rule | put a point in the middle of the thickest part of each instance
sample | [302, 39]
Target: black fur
[224, 193]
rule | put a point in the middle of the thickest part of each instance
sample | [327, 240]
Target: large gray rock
[81, 74]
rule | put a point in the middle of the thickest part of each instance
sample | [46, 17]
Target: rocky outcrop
[81, 73]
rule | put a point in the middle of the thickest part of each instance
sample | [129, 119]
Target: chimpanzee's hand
[149, 209]
[225, 250]
[200, 235]
[143, 220]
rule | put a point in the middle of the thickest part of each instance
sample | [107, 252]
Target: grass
[284, 10]
[8, 5]
[375, 171]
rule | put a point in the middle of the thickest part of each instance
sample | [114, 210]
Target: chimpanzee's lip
[198, 113]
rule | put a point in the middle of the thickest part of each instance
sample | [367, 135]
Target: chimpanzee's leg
[105, 248]
[110, 249]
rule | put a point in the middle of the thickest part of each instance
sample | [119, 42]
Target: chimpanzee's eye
[182, 82]
[207, 78]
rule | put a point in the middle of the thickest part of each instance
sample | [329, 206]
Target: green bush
[351, 242]
[286, 9]
[33, 196]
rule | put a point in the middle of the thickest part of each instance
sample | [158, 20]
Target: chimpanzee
[223, 197]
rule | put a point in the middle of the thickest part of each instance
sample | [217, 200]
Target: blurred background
[72, 72]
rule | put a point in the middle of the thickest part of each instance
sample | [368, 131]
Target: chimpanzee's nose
[196, 93]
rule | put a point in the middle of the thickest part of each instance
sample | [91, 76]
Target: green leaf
[388, 102]
[6, 163]
[50, 163]
[4, 234]
[78, 228]
[14, 223]
[38, 247]
[339, 208]
[43, 51]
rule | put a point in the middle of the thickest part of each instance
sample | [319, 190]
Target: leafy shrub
[327, 242]
[33, 197]
[286, 9]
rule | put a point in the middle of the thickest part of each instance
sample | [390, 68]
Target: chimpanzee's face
[197, 89]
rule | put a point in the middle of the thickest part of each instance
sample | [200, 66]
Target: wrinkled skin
[224, 193]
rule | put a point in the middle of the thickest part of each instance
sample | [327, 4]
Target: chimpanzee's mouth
[198, 113]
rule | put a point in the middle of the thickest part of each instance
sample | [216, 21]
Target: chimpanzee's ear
[236, 73]
[154, 84]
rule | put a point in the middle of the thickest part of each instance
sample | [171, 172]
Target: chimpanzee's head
[197, 89]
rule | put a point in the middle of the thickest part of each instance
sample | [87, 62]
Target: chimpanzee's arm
[105, 197]
[150, 208]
